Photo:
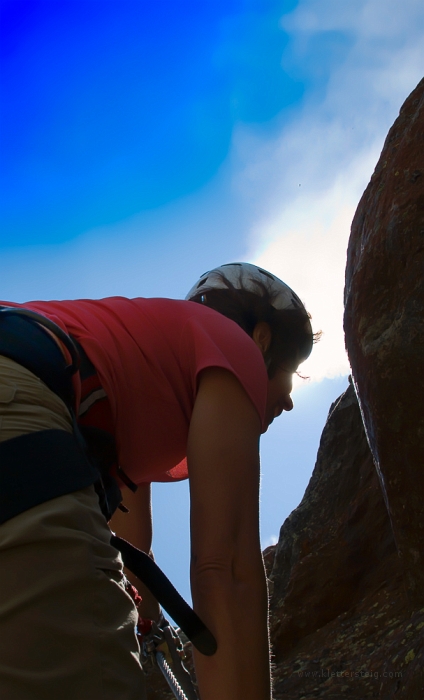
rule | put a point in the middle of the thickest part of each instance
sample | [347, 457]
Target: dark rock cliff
[347, 611]
[384, 326]
[347, 575]
[340, 623]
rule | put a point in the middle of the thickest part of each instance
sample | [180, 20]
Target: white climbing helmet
[247, 276]
[252, 278]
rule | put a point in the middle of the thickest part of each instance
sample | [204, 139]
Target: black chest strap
[23, 338]
[37, 467]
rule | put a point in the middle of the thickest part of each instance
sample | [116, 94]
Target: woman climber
[166, 390]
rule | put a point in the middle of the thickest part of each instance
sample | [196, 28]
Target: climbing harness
[162, 648]
[24, 337]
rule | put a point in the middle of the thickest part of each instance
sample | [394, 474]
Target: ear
[262, 336]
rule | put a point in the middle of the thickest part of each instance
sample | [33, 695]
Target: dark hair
[291, 340]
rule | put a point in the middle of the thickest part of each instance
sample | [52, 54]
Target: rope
[169, 677]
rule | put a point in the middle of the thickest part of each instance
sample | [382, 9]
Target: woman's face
[281, 385]
[279, 390]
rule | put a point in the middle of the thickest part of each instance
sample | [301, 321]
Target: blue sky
[143, 143]
[117, 107]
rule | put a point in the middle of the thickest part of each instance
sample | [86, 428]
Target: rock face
[340, 622]
[384, 326]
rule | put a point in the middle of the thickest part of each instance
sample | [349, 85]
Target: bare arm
[136, 527]
[227, 573]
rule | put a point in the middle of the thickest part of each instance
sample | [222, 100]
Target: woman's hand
[136, 527]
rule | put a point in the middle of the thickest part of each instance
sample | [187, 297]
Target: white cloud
[305, 182]
[364, 18]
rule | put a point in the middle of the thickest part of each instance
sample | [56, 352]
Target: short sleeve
[216, 341]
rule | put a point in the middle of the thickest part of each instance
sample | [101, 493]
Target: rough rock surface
[384, 326]
[340, 623]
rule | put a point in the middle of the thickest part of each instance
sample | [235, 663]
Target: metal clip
[163, 648]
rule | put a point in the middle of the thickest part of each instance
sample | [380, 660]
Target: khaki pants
[66, 622]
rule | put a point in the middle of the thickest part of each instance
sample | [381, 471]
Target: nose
[286, 404]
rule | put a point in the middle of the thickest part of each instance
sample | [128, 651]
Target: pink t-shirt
[148, 354]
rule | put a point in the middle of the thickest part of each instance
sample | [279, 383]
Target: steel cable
[169, 676]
